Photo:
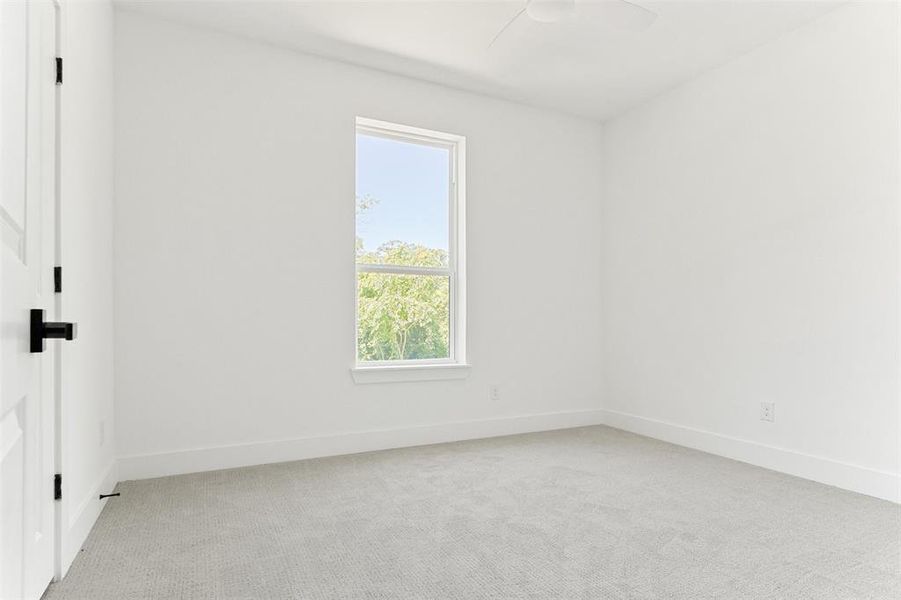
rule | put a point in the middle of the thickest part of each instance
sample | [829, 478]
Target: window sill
[400, 373]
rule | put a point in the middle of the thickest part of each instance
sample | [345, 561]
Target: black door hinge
[57, 280]
[59, 70]
[58, 486]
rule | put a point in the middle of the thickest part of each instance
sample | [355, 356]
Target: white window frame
[455, 366]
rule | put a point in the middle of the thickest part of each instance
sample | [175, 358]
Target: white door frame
[58, 513]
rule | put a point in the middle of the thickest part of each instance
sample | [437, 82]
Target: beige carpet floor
[582, 513]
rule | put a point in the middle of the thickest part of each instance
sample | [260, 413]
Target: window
[409, 250]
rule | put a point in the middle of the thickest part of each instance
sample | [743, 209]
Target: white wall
[750, 253]
[234, 257]
[744, 226]
[86, 217]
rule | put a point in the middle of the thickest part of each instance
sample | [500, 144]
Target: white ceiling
[582, 65]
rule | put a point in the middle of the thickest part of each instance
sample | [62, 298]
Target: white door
[27, 247]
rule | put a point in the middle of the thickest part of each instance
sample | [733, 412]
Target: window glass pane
[402, 202]
[401, 317]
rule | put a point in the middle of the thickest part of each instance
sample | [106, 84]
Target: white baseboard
[872, 482]
[145, 466]
[81, 518]
[863, 480]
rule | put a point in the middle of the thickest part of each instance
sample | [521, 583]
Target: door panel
[13, 102]
[27, 245]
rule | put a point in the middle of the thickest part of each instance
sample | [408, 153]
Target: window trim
[455, 366]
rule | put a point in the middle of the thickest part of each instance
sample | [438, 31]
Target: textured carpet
[582, 513]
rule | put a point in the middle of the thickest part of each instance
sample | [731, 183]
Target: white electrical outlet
[494, 392]
[768, 411]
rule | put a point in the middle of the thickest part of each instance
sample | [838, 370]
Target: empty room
[450, 299]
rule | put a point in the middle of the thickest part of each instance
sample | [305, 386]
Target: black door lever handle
[41, 330]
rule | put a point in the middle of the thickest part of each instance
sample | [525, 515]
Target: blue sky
[410, 183]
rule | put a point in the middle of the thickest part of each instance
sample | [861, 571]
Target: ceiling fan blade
[507, 25]
[622, 14]
[550, 11]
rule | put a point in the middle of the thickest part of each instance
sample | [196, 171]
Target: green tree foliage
[401, 316]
